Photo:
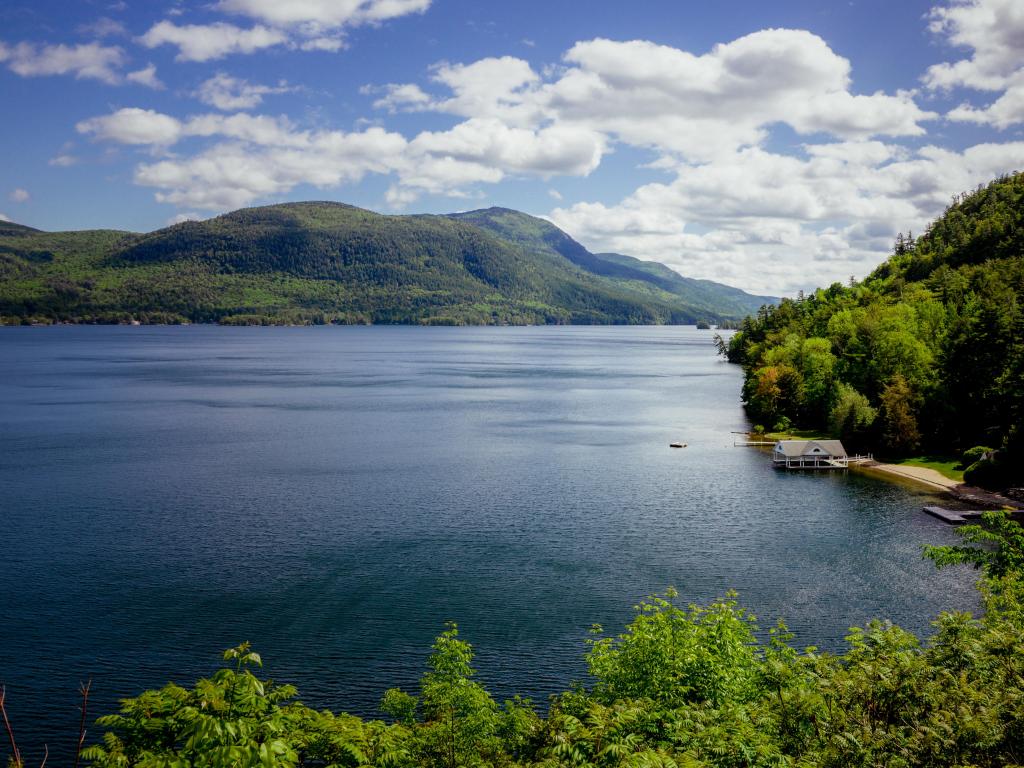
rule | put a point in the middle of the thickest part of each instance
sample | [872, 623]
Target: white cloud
[251, 157]
[277, 155]
[232, 174]
[680, 104]
[1005, 111]
[400, 97]
[230, 93]
[772, 223]
[203, 42]
[92, 60]
[147, 77]
[19, 195]
[134, 126]
[326, 44]
[4, 217]
[697, 106]
[993, 30]
[103, 27]
[555, 149]
[63, 160]
[329, 14]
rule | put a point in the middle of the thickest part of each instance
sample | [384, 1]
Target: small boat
[677, 445]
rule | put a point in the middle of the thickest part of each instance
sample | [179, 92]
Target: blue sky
[773, 146]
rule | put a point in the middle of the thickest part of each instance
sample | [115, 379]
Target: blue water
[335, 495]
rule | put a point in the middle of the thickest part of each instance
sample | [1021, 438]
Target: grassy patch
[944, 465]
[792, 434]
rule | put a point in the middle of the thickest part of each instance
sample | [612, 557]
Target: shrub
[973, 455]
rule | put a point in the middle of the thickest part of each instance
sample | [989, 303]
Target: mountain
[925, 356]
[329, 262]
[713, 300]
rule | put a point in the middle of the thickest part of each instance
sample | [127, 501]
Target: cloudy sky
[770, 145]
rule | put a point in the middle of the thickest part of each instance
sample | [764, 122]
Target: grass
[944, 465]
[792, 434]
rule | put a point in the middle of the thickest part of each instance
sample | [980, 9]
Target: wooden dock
[954, 516]
[961, 516]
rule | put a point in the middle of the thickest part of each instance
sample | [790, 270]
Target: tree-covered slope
[927, 354]
[714, 300]
[316, 262]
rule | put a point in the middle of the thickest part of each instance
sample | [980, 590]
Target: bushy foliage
[925, 354]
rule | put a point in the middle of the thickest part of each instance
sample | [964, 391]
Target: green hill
[926, 355]
[711, 300]
[321, 262]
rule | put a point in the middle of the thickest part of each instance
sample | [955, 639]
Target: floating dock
[954, 516]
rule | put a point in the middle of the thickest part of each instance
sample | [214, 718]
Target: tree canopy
[926, 354]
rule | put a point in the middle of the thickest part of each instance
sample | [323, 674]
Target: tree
[230, 720]
[899, 424]
[675, 655]
[461, 718]
[851, 415]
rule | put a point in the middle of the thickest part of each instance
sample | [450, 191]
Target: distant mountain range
[322, 262]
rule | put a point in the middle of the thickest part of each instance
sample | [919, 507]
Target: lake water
[335, 495]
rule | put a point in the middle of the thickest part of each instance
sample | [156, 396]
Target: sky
[774, 146]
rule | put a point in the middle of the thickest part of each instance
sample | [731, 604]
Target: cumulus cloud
[678, 103]
[993, 30]
[251, 157]
[4, 217]
[771, 222]
[132, 125]
[103, 27]
[88, 61]
[145, 76]
[327, 14]
[688, 108]
[231, 174]
[273, 155]
[231, 93]
[204, 42]
[63, 160]
[308, 25]
[19, 195]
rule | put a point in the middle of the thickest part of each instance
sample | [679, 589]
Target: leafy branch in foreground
[1002, 550]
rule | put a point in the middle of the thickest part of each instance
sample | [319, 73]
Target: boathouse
[810, 454]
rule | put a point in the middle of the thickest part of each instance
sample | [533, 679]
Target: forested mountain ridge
[927, 354]
[714, 299]
[316, 263]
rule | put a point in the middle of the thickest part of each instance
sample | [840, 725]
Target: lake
[334, 495]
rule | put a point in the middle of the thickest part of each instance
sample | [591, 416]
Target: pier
[954, 516]
[964, 516]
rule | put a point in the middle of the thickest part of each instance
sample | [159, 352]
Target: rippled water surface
[335, 495]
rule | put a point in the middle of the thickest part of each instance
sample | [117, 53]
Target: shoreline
[934, 481]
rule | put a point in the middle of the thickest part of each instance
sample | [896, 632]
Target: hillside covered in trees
[334, 263]
[713, 299]
[925, 355]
